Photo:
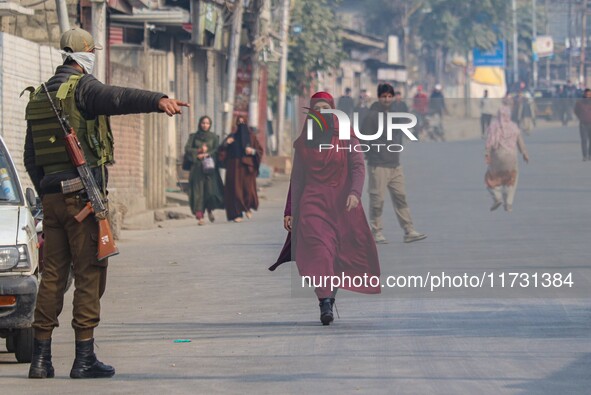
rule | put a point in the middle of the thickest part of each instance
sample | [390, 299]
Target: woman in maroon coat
[329, 234]
[241, 155]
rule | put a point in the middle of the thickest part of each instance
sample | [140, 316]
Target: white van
[19, 261]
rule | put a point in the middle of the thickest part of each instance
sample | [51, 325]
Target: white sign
[544, 46]
[399, 75]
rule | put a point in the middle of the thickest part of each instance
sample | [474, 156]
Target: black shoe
[41, 367]
[326, 315]
[86, 365]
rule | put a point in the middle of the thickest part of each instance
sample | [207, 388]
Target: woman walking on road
[205, 183]
[328, 232]
[241, 155]
[504, 138]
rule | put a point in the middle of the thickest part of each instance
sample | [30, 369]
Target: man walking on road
[385, 170]
[346, 103]
[486, 112]
[583, 112]
[86, 103]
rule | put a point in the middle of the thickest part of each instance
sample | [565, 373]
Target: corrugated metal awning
[169, 16]
[361, 39]
[8, 8]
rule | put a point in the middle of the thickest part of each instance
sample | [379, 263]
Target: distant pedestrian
[522, 112]
[241, 155]
[486, 112]
[583, 112]
[437, 101]
[362, 107]
[328, 233]
[529, 113]
[420, 102]
[206, 191]
[420, 107]
[562, 105]
[346, 103]
[503, 140]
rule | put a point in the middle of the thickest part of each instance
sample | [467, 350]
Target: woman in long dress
[241, 154]
[328, 231]
[502, 143]
[206, 191]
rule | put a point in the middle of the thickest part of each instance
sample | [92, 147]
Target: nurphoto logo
[392, 123]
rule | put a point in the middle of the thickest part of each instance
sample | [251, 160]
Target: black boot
[326, 315]
[86, 365]
[41, 367]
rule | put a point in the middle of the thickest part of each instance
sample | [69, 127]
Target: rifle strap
[104, 181]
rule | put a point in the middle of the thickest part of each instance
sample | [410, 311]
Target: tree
[460, 26]
[314, 43]
[524, 29]
[385, 17]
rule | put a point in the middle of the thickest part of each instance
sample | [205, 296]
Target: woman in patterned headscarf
[504, 138]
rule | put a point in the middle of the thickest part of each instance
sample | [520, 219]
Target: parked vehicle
[544, 104]
[433, 127]
[18, 262]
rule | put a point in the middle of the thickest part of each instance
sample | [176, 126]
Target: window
[9, 191]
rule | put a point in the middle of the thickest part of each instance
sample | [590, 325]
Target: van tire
[10, 346]
[24, 345]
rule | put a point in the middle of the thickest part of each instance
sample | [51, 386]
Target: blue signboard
[495, 57]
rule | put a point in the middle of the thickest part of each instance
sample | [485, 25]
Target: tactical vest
[95, 135]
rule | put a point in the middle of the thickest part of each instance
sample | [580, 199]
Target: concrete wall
[126, 177]
[156, 133]
[43, 27]
[22, 63]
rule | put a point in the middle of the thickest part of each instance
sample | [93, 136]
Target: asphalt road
[252, 331]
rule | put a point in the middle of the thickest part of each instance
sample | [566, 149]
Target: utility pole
[547, 32]
[406, 43]
[534, 35]
[233, 65]
[99, 34]
[515, 44]
[259, 34]
[62, 15]
[282, 75]
[570, 41]
[583, 43]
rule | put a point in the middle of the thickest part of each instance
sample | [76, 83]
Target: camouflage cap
[78, 40]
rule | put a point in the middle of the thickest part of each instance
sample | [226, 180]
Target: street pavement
[252, 331]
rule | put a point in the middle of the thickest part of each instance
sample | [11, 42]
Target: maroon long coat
[327, 240]
[240, 192]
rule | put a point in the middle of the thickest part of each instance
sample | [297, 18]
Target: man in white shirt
[486, 112]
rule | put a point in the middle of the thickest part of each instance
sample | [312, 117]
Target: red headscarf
[318, 97]
[325, 164]
[322, 96]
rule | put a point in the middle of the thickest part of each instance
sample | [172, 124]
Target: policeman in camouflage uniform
[87, 103]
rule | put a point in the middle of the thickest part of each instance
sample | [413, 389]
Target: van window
[9, 192]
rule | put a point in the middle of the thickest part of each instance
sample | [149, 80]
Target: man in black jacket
[87, 103]
[385, 170]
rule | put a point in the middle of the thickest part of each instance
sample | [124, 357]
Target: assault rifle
[96, 204]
